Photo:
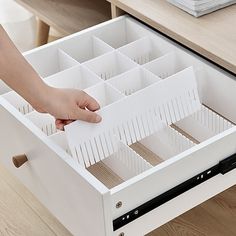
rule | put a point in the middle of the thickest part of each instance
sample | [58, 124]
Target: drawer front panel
[175, 171]
[178, 206]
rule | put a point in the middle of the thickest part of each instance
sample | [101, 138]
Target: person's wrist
[42, 99]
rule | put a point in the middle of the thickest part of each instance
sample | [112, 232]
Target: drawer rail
[222, 167]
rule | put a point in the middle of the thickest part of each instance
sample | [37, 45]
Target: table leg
[43, 33]
[116, 11]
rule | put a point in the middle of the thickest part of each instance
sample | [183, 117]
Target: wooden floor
[22, 215]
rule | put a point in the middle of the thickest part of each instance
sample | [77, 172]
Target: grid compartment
[121, 32]
[122, 165]
[134, 80]
[110, 65]
[166, 143]
[144, 50]
[77, 77]
[44, 122]
[126, 163]
[168, 65]
[84, 48]
[204, 124]
[104, 94]
[49, 61]
[18, 102]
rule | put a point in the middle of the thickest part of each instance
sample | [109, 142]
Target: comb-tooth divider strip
[49, 129]
[143, 59]
[163, 110]
[211, 120]
[179, 141]
[131, 159]
[141, 131]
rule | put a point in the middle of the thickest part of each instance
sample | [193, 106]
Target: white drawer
[151, 182]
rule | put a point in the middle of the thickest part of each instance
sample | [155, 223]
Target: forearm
[64, 104]
[17, 73]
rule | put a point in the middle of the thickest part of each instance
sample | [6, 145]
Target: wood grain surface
[216, 217]
[69, 16]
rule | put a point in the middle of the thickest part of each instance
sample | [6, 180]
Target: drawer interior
[113, 62]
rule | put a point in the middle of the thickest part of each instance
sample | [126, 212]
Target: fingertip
[88, 116]
[98, 119]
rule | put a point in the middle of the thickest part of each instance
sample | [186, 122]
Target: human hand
[67, 105]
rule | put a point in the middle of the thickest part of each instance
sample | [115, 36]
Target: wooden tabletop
[212, 35]
[69, 16]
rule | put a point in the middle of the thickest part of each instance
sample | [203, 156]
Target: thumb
[88, 116]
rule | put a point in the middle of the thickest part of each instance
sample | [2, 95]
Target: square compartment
[168, 65]
[77, 77]
[144, 50]
[134, 80]
[84, 48]
[104, 94]
[49, 61]
[110, 65]
[122, 32]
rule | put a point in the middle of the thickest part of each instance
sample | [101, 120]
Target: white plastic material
[60, 139]
[110, 65]
[77, 77]
[49, 61]
[204, 124]
[85, 48]
[121, 33]
[144, 50]
[18, 102]
[136, 116]
[126, 163]
[167, 65]
[19, 24]
[104, 94]
[44, 122]
[167, 143]
[133, 81]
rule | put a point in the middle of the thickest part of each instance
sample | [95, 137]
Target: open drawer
[141, 185]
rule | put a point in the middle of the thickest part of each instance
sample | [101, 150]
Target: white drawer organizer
[153, 169]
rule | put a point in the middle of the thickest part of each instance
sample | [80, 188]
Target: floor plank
[16, 218]
[29, 208]
[216, 217]
[69, 16]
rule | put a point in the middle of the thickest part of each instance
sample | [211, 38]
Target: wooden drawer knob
[19, 160]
